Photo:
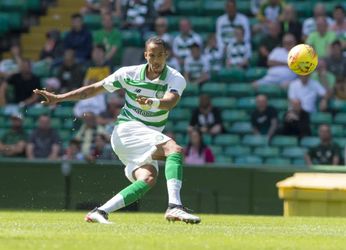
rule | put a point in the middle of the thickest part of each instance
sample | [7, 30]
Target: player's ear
[145, 54]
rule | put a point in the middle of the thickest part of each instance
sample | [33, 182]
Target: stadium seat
[214, 88]
[241, 128]
[248, 160]
[279, 162]
[34, 5]
[5, 24]
[309, 142]
[255, 73]
[299, 162]
[173, 23]
[223, 159]
[266, 152]
[337, 130]
[246, 103]
[3, 122]
[181, 127]
[2, 132]
[293, 152]
[284, 141]
[63, 112]
[321, 118]
[214, 7]
[179, 114]
[217, 150]
[68, 124]
[14, 5]
[235, 116]
[41, 68]
[340, 118]
[237, 150]
[28, 123]
[231, 75]
[191, 90]
[244, 7]
[280, 104]
[255, 140]
[224, 102]
[188, 8]
[341, 142]
[207, 139]
[37, 111]
[65, 135]
[270, 90]
[202, 23]
[93, 21]
[132, 38]
[338, 105]
[189, 102]
[225, 140]
[240, 89]
[181, 139]
[303, 9]
[55, 123]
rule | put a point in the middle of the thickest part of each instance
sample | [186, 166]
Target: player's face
[156, 56]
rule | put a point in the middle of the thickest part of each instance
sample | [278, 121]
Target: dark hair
[231, 1]
[336, 42]
[156, 40]
[76, 15]
[75, 142]
[195, 45]
[202, 145]
[101, 47]
[339, 7]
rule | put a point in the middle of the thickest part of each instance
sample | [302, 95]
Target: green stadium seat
[231, 75]
[191, 90]
[299, 162]
[217, 150]
[65, 135]
[240, 89]
[235, 116]
[93, 21]
[14, 5]
[266, 152]
[284, 141]
[246, 103]
[248, 160]
[207, 139]
[321, 118]
[132, 38]
[181, 138]
[55, 123]
[309, 142]
[255, 73]
[338, 105]
[244, 7]
[37, 111]
[3, 122]
[341, 142]
[202, 23]
[69, 124]
[224, 102]
[340, 118]
[279, 162]
[293, 152]
[2, 132]
[255, 140]
[237, 150]
[28, 123]
[271, 91]
[34, 5]
[41, 68]
[226, 140]
[214, 7]
[223, 159]
[179, 114]
[214, 88]
[280, 104]
[173, 22]
[337, 130]
[11, 20]
[181, 127]
[5, 24]
[189, 102]
[241, 128]
[188, 8]
[304, 9]
[63, 112]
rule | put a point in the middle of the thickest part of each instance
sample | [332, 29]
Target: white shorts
[134, 143]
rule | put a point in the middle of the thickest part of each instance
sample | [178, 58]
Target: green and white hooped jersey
[134, 81]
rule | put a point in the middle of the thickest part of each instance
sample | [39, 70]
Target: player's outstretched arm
[74, 95]
[168, 102]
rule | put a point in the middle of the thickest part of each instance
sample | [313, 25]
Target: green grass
[66, 230]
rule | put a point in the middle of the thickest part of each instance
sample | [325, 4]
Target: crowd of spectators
[81, 57]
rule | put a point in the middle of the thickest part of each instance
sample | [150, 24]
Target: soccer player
[152, 90]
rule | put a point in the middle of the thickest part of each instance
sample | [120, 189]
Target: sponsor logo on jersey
[138, 90]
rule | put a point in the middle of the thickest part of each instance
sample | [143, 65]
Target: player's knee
[150, 180]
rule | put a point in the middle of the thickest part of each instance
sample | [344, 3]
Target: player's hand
[142, 100]
[50, 98]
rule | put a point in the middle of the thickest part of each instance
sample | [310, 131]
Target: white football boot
[98, 216]
[180, 213]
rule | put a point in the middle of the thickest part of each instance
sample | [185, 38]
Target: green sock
[174, 166]
[134, 192]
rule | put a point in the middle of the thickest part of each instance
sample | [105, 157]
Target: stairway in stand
[58, 17]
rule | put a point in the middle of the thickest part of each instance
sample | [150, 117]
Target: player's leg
[144, 178]
[173, 154]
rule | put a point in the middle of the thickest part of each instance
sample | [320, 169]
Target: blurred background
[245, 120]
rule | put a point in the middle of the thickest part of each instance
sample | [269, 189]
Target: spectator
[214, 53]
[164, 7]
[326, 78]
[44, 141]
[196, 66]
[296, 121]
[206, 117]
[11, 65]
[290, 23]
[111, 38]
[139, 14]
[183, 42]
[327, 152]
[264, 118]
[23, 83]
[96, 105]
[100, 6]
[53, 47]
[278, 72]
[101, 150]
[13, 142]
[322, 38]
[255, 6]
[98, 68]
[3, 97]
[307, 91]
[238, 52]
[309, 25]
[225, 24]
[270, 11]
[172, 60]
[73, 151]
[336, 62]
[196, 152]
[339, 27]
[268, 43]
[161, 30]
[114, 105]
[88, 131]
[70, 73]
[79, 39]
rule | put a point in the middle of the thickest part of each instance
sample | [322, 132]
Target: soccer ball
[302, 59]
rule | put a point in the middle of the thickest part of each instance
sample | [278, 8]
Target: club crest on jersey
[160, 92]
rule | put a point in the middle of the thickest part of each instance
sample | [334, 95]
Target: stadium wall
[208, 189]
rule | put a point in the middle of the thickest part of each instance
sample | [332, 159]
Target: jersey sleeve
[113, 82]
[177, 85]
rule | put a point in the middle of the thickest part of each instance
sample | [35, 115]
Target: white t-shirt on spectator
[225, 28]
[196, 67]
[307, 94]
[96, 104]
[309, 25]
[181, 44]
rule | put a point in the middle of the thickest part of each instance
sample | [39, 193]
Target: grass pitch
[67, 230]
